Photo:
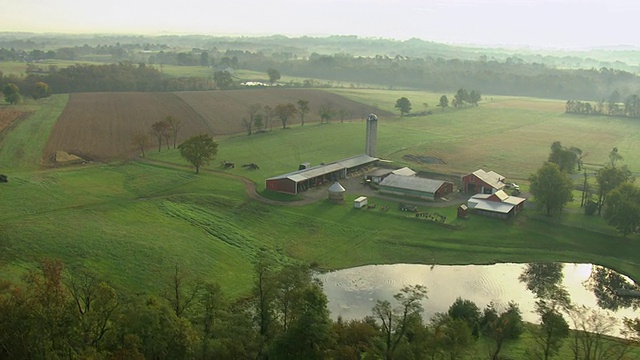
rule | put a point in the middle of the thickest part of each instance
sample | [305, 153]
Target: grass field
[133, 221]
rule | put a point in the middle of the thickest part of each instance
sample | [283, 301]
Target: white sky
[535, 23]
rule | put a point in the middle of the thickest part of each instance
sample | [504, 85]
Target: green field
[133, 221]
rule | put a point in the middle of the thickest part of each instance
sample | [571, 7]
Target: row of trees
[58, 314]
[462, 98]
[260, 117]
[630, 107]
[13, 95]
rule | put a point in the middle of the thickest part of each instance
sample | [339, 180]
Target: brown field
[8, 116]
[100, 126]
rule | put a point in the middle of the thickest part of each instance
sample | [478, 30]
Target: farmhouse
[415, 187]
[499, 204]
[482, 182]
[297, 181]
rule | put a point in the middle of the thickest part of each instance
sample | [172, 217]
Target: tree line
[613, 106]
[55, 313]
[508, 77]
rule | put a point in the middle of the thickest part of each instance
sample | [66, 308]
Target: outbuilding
[336, 192]
[499, 205]
[360, 202]
[416, 187]
[300, 180]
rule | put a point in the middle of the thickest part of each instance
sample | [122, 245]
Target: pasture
[132, 221]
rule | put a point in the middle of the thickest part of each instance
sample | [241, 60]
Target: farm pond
[353, 292]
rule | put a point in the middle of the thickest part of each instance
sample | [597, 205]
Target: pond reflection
[353, 292]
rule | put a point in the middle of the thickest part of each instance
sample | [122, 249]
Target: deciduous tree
[394, 321]
[444, 102]
[199, 150]
[160, 129]
[174, 126]
[623, 208]
[223, 79]
[609, 178]
[141, 141]
[326, 112]
[501, 327]
[274, 75]
[12, 93]
[403, 105]
[40, 90]
[551, 188]
[284, 112]
[303, 109]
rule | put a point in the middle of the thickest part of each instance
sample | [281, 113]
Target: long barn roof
[313, 172]
[412, 183]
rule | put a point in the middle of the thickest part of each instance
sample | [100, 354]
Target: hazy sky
[536, 23]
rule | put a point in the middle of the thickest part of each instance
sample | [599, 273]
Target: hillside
[100, 126]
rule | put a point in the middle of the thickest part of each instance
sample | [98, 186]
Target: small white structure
[336, 192]
[360, 202]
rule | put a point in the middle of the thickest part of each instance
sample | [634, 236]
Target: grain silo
[372, 135]
[336, 193]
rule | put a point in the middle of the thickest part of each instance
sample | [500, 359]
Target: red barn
[482, 182]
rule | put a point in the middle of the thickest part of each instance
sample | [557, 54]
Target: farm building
[300, 180]
[377, 175]
[336, 192]
[482, 182]
[499, 204]
[416, 187]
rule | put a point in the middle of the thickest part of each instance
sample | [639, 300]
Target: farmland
[100, 126]
[133, 220]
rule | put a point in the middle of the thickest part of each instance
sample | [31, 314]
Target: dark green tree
[12, 93]
[199, 150]
[444, 102]
[403, 105]
[467, 311]
[474, 97]
[623, 208]
[274, 75]
[501, 327]
[303, 109]
[567, 159]
[223, 79]
[552, 331]
[551, 188]
[608, 178]
[461, 97]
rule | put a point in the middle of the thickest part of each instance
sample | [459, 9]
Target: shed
[336, 192]
[463, 210]
[360, 202]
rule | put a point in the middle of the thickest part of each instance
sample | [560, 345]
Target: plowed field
[100, 126]
[8, 116]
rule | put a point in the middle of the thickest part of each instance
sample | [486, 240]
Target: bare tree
[159, 129]
[181, 291]
[141, 141]
[175, 125]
